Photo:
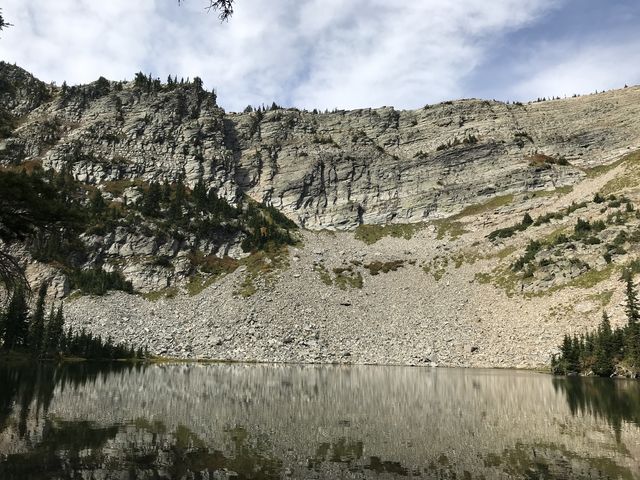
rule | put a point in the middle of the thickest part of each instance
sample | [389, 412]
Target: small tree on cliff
[151, 200]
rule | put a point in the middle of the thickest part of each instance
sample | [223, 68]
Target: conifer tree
[97, 204]
[36, 328]
[632, 330]
[175, 207]
[631, 309]
[527, 220]
[16, 327]
[166, 192]
[603, 365]
[55, 330]
[199, 195]
[151, 200]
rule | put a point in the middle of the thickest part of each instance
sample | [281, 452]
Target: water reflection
[256, 421]
[616, 400]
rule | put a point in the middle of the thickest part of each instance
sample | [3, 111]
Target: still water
[264, 421]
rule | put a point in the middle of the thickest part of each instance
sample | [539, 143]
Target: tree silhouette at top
[4, 24]
[223, 7]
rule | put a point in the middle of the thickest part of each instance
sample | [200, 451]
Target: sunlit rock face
[250, 421]
[324, 170]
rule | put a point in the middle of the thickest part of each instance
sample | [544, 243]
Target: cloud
[305, 53]
[565, 69]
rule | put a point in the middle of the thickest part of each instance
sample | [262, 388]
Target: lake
[245, 421]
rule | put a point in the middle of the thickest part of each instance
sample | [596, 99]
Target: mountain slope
[415, 247]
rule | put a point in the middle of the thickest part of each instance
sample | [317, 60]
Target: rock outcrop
[422, 281]
[324, 170]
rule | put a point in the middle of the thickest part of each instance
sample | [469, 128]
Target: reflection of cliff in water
[253, 421]
[616, 400]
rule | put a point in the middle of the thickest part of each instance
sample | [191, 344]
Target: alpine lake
[253, 421]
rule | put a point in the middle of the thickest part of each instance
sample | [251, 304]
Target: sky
[329, 54]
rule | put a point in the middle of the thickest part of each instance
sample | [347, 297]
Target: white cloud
[566, 68]
[307, 53]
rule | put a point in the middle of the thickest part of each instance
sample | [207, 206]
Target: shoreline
[12, 357]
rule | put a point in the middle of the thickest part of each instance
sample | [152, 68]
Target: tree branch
[223, 7]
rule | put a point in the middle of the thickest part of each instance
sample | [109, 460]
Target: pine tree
[36, 328]
[175, 207]
[97, 204]
[632, 330]
[603, 365]
[199, 195]
[527, 220]
[605, 335]
[55, 331]
[631, 309]
[151, 200]
[16, 327]
[166, 192]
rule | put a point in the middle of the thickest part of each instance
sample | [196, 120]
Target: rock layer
[325, 170]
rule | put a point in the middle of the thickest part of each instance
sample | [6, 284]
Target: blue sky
[336, 53]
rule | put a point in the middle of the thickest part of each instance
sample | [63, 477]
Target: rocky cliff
[324, 170]
[398, 260]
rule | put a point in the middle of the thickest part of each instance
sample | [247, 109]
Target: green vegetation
[560, 191]
[520, 137]
[504, 278]
[96, 281]
[446, 227]
[470, 139]
[525, 223]
[630, 178]
[437, 267]
[31, 205]
[50, 210]
[454, 229]
[154, 296]
[606, 350]
[603, 298]
[347, 277]
[489, 205]
[325, 276]
[40, 337]
[261, 264]
[385, 267]
[343, 277]
[540, 160]
[370, 234]
[602, 169]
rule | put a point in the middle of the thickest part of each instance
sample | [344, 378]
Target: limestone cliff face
[332, 170]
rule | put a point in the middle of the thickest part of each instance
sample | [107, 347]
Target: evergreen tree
[36, 328]
[97, 204]
[605, 335]
[166, 192]
[16, 327]
[527, 220]
[151, 200]
[55, 331]
[631, 309]
[603, 363]
[199, 195]
[175, 207]
[632, 330]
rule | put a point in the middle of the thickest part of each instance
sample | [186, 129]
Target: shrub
[96, 281]
[529, 255]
